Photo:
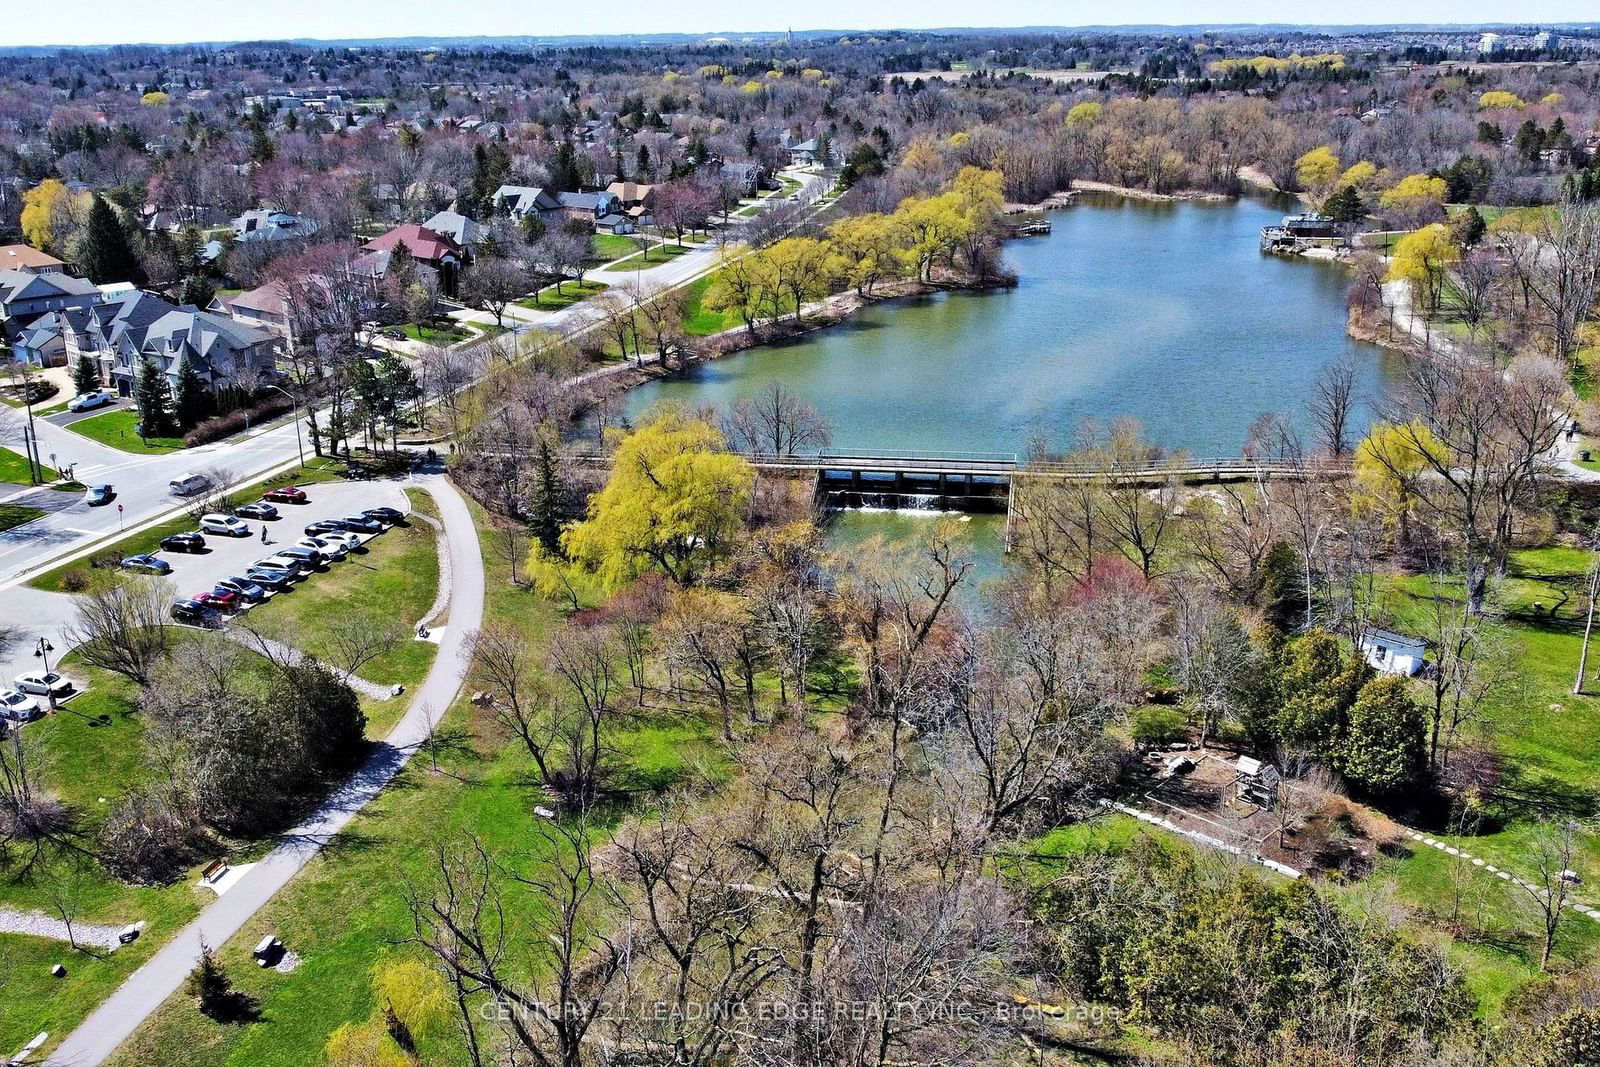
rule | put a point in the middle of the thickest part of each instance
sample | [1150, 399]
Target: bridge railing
[1007, 462]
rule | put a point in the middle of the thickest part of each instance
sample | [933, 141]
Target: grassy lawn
[548, 299]
[347, 910]
[609, 246]
[653, 256]
[14, 469]
[16, 514]
[318, 470]
[440, 331]
[115, 428]
[395, 579]
[702, 321]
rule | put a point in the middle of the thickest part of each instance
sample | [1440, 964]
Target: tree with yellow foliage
[364, 1045]
[1387, 462]
[674, 502]
[43, 208]
[1360, 175]
[1415, 198]
[1422, 258]
[1085, 114]
[1499, 100]
[929, 229]
[155, 98]
[412, 1001]
[801, 268]
[865, 248]
[1317, 171]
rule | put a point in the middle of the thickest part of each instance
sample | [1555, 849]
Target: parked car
[259, 510]
[189, 485]
[350, 541]
[218, 598]
[322, 526]
[18, 707]
[184, 542]
[243, 587]
[327, 546]
[394, 335]
[146, 564]
[275, 578]
[230, 525]
[310, 558]
[387, 516]
[96, 495]
[360, 524]
[44, 683]
[284, 494]
[299, 568]
[193, 611]
[90, 400]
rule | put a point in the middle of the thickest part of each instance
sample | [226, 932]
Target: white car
[18, 707]
[350, 541]
[43, 683]
[90, 401]
[331, 549]
[298, 568]
[231, 525]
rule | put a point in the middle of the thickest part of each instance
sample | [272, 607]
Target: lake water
[1167, 312]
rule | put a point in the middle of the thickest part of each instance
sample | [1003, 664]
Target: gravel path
[284, 652]
[32, 924]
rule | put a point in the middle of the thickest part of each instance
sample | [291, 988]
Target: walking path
[116, 1019]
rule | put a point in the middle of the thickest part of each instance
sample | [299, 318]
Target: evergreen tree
[85, 375]
[1386, 746]
[564, 173]
[198, 290]
[153, 398]
[193, 401]
[210, 986]
[641, 168]
[1344, 206]
[106, 255]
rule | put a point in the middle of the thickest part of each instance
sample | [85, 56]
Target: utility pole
[1588, 626]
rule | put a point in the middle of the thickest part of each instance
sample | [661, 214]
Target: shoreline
[1146, 194]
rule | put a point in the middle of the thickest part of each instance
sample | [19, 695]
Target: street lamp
[43, 649]
[296, 402]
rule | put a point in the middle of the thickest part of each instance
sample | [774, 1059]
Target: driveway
[115, 1020]
[46, 615]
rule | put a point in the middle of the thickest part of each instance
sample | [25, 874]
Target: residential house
[636, 199]
[24, 296]
[748, 174]
[468, 233]
[264, 224]
[518, 201]
[803, 153]
[436, 250]
[29, 260]
[265, 306]
[1393, 653]
[603, 209]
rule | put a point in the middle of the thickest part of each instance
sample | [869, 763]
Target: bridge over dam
[982, 481]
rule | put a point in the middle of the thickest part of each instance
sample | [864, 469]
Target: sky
[173, 21]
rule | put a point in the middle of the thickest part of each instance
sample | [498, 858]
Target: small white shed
[1256, 782]
[1393, 653]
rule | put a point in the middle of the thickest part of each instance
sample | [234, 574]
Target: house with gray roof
[468, 233]
[518, 201]
[24, 296]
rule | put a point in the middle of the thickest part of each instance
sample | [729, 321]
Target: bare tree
[776, 422]
[353, 643]
[1561, 272]
[122, 627]
[1330, 403]
[1551, 851]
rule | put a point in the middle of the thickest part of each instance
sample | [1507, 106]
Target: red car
[225, 599]
[285, 494]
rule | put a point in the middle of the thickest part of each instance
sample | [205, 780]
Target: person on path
[263, 533]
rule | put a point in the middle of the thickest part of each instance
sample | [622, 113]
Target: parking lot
[224, 556]
[41, 614]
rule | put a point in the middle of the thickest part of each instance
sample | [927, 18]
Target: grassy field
[13, 515]
[318, 470]
[348, 910]
[14, 469]
[115, 428]
[653, 256]
[609, 246]
[438, 332]
[548, 299]
[699, 320]
[394, 580]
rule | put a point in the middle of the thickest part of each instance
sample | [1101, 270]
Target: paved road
[147, 988]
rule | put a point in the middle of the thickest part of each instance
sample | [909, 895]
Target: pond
[1167, 312]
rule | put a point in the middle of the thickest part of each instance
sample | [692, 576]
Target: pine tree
[210, 985]
[198, 290]
[106, 255]
[153, 397]
[193, 401]
[85, 375]
[641, 169]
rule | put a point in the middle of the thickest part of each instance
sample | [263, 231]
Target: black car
[146, 564]
[193, 611]
[322, 526]
[184, 542]
[387, 516]
[270, 577]
[360, 524]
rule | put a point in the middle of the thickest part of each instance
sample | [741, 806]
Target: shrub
[75, 581]
[220, 426]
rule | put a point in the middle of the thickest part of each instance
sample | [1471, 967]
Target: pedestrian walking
[263, 533]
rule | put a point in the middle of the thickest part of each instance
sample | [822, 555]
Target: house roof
[524, 198]
[627, 191]
[23, 285]
[22, 257]
[457, 227]
[420, 241]
[270, 299]
[1391, 639]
